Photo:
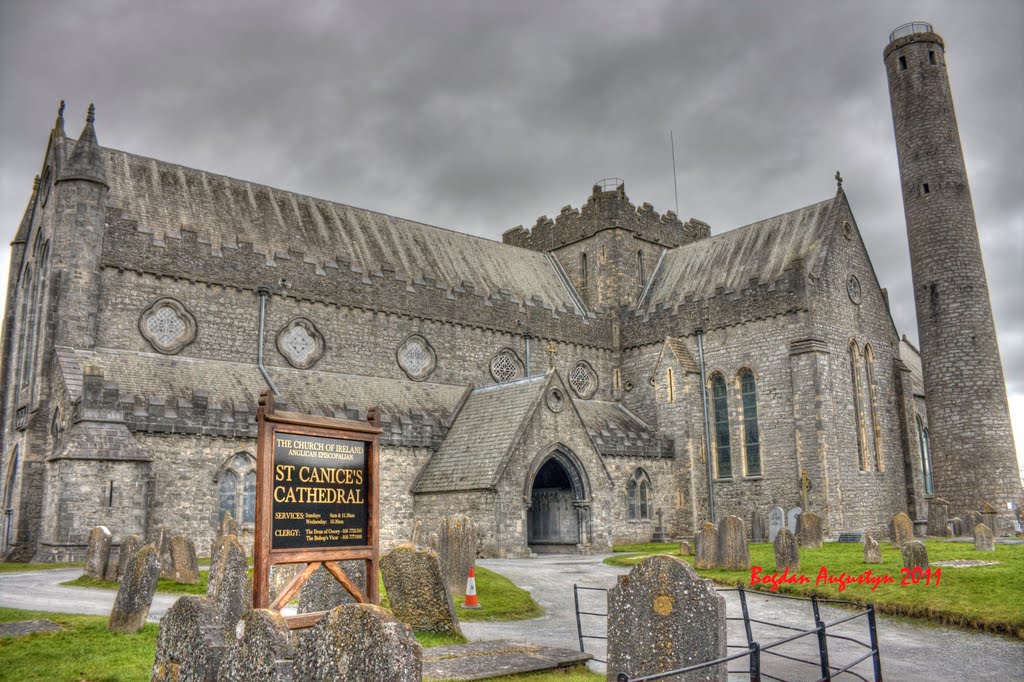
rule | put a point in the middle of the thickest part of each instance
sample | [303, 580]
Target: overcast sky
[480, 116]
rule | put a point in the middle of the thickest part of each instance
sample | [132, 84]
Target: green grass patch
[163, 585]
[500, 600]
[985, 597]
[84, 651]
[429, 640]
[15, 567]
[575, 673]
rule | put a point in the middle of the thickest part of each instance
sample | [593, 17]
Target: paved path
[910, 650]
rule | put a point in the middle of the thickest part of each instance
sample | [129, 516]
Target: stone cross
[658, 514]
[552, 351]
[805, 488]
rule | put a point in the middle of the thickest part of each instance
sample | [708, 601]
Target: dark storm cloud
[480, 116]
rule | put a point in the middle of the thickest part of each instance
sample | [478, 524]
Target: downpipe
[263, 293]
[707, 422]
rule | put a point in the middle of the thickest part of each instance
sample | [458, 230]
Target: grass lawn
[500, 600]
[19, 567]
[987, 597]
[163, 585]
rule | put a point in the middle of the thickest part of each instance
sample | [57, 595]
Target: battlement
[607, 207]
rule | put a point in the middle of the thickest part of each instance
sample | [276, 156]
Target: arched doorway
[558, 519]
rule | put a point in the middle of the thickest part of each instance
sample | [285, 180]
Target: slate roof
[730, 261]
[683, 355]
[484, 432]
[166, 198]
[616, 431]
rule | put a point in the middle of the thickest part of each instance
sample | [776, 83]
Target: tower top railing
[910, 29]
[609, 184]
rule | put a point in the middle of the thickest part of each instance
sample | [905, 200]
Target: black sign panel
[320, 492]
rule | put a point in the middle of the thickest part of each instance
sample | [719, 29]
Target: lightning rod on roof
[675, 183]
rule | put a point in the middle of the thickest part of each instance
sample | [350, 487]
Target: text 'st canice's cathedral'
[549, 386]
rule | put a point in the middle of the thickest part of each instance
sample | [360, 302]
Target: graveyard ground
[983, 597]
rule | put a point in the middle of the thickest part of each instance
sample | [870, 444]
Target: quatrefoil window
[168, 326]
[853, 289]
[583, 380]
[416, 357]
[505, 366]
[301, 343]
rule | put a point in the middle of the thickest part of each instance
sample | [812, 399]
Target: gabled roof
[617, 431]
[482, 437]
[165, 199]
[757, 253]
[677, 347]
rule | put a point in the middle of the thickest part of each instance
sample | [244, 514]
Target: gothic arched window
[639, 497]
[751, 430]
[858, 408]
[926, 457]
[876, 426]
[641, 278]
[583, 270]
[236, 488]
[723, 450]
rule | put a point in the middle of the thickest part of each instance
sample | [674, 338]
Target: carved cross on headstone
[805, 488]
[552, 350]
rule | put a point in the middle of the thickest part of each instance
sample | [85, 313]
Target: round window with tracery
[505, 366]
[583, 380]
[301, 343]
[167, 325]
[416, 358]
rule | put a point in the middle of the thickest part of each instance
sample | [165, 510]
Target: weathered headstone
[791, 517]
[776, 522]
[938, 515]
[733, 554]
[872, 551]
[191, 642]
[323, 592]
[417, 535]
[990, 517]
[228, 584]
[110, 574]
[98, 554]
[787, 553]
[135, 595]
[970, 520]
[416, 589]
[983, 540]
[684, 548]
[810, 530]
[758, 526]
[915, 554]
[705, 546]
[956, 527]
[228, 526]
[184, 565]
[457, 551]
[130, 546]
[662, 616]
[359, 642]
[260, 650]
[901, 530]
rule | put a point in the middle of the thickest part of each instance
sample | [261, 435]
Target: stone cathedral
[566, 388]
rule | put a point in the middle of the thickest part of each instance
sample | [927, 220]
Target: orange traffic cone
[471, 602]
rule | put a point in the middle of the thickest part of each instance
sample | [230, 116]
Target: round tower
[973, 455]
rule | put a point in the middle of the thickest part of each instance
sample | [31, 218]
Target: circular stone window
[583, 380]
[416, 358]
[167, 325]
[301, 343]
[853, 289]
[505, 366]
[555, 400]
[847, 230]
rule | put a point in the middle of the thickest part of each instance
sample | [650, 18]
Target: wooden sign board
[316, 501]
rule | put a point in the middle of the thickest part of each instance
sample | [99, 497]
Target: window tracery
[751, 427]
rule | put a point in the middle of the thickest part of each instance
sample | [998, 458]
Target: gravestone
[457, 551]
[901, 530]
[956, 527]
[228, 585]
[685, 549]
[29, 627]
[135, 595]
[417, 536]
[733, 554]
[323, 592]
[260, 650]
[938, 515]
[872, 551]
[98, 554]
[416, 590]
[359, 642]
[110, 574]
[160, 537]
[660, 534]
[776, 522]
[810, 530]
[662, 616]
[989, 516]
[228, 526]
[915, 554]
[191, 642]
[184, 566]
[791, 517]
[129, 548]
[983, 539]
[787, 553]
[969, 521]
[758, 526]
[705, 546]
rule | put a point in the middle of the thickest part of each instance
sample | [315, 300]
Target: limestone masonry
[548, 387]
